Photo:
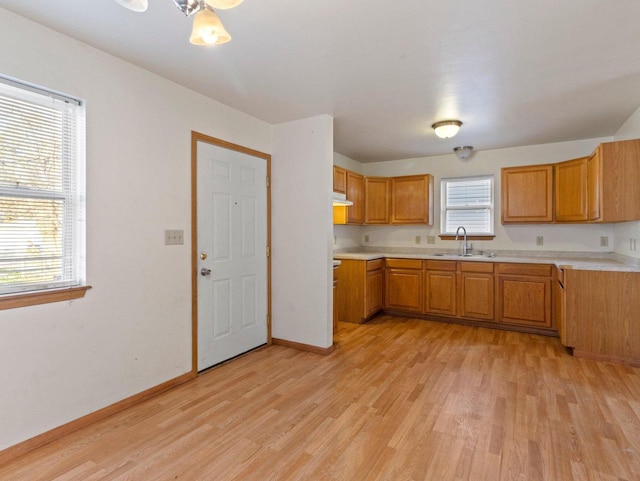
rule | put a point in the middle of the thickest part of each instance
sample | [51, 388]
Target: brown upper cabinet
[383, 200]
[355, 193]
[339, 179]
[612, 182]
[412, 199]
[376, 195]
[599, 188]
[527, 194]
[571, 190]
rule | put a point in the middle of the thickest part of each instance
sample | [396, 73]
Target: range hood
[340, 200]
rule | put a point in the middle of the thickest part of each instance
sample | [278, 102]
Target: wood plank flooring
[398, 400]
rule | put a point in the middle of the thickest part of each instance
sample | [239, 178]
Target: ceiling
[515, 73]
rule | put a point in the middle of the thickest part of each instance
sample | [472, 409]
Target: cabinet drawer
[404, 263]
[441, 265]
[374, 265]
[476, 266]
[542, 270]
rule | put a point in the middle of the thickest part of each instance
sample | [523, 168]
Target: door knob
[204, 272]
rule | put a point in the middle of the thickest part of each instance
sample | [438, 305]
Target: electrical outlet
[173, 237]
[632, 244]
[431, 239]
[539, 240]
[418, 239]
[335, 239]
[366, 238]
[604, 241]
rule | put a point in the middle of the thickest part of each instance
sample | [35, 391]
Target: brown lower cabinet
[403, 284]
[524, 295]
[477, 297]
[601, 315]
[440, 288]
[360, 290]
[517, 296]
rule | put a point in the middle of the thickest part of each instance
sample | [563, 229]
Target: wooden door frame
[195, 138]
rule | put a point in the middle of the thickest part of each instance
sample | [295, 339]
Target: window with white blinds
[467, 202]
[42, 205]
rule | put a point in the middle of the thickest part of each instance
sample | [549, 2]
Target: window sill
[469, 237]
[12, 301]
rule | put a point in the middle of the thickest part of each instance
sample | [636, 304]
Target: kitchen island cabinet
[360, 290]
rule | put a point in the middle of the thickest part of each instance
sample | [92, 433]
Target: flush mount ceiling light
[207, 27]
[135, 5]
[463, 152]
[447, 128]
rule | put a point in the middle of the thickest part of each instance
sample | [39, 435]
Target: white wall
[583, 238]
[132, 331]
[302, 219]
[628, 230]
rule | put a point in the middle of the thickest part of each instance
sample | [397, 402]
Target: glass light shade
[208, 29]
[447, 128]
[463, 152]
[223, 4]
[135, 5]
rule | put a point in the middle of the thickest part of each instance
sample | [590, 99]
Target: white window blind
[42, 201]
[467, 202]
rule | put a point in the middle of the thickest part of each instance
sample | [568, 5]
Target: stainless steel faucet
[464, 246]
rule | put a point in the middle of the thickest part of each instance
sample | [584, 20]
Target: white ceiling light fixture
[446, 128]
[207, 27]
[463, 152]
[135, 5]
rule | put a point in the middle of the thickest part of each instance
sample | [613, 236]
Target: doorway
[231, 263]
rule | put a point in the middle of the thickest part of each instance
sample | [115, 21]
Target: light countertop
[599, 262]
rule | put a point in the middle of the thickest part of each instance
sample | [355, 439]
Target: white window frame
[445, 209]
[72, 195]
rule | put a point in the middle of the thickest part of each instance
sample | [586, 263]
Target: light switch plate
[173, 237]
[431, 239]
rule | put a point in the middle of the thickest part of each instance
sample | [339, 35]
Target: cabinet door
[440, 293]
[339, 179]
[560, 312]
[336, 301]
[571, 190]
[476, 295]
[411, 199]
[524, 300]
[376, 200]
[594, 186]
[373, 295]
[355, 193]
[527, 194]
[404, 289]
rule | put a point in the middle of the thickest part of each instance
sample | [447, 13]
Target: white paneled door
[232, 253]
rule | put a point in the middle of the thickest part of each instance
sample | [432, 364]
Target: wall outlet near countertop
[539, 240]
[431, 239]
[604, 241]
[418, 239]
[366, 237]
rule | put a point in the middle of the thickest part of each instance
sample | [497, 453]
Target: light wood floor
[398, 400]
